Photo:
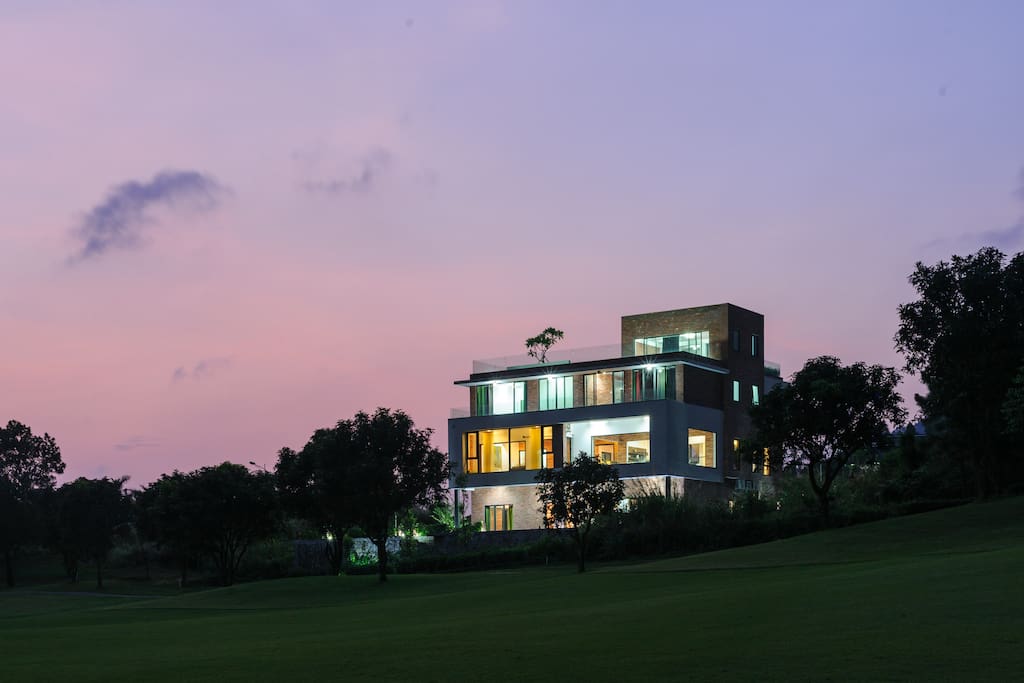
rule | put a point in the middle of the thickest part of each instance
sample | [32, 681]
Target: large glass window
[509, 397]
[702, 447]
[616, 441]
[555, 392]
[691, 342]
[482, 400]
[498, 517]
[654, 383]
[505, 450]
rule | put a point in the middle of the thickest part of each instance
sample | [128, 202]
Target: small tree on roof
[537, 347]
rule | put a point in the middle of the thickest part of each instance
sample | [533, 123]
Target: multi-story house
[667, 407]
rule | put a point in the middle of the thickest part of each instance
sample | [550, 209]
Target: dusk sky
[225, 225]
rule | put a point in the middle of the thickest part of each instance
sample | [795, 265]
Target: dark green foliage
[28, 463]
[824, 416]
[364, 471]
[217, 512]
[537, 347]
[577, 495]
[88, 513]
[965, 337]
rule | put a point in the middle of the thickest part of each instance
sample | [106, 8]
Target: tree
[217, 512]
[28, 464]
[314, 486]
[965, 337]
[1013, 406]
[578, 494]
[537, 347]
[88, 512]
[236, 508]
[824, 415]
[169, 515]
[377, 466]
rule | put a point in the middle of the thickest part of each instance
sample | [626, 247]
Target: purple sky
[226, 225]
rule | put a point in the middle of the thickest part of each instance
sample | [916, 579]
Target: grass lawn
[937, 596]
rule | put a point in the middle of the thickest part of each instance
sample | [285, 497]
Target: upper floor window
[602, 388]
[755, 395]
[755, 344]
[554, 393]
[734, 338]
[654, 383]
[698, 343]
[509, 397]
[736, 391]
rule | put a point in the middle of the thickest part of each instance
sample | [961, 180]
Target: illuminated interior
[507, 450]
[691, 342]
[615, 441]
[702, 448]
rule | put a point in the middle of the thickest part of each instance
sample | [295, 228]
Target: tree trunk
[9, 567]
[382, 559]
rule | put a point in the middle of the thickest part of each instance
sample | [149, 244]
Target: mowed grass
[938, 596]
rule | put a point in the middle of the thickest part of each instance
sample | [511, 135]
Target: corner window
[702, 447]
[736, 391]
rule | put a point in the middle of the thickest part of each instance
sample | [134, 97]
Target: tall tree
[576, 495]
[965, 337]
[88, 512]
[376, 466]
[168, 514]
[236, 508]
[824, 415]
[28, 465]
[217, 512]
[314, 485]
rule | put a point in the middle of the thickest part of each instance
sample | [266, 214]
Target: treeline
[368, 471]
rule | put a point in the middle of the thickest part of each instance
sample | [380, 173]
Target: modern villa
[667, 407]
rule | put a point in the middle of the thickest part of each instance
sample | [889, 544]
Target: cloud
[1005, 239]
[118, 222]
[368, 173]
[204, 369]
[133, 442]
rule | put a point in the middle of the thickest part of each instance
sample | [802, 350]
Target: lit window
[736, 390]
[509, 397]
[702, 448]
[498, 517]
[555, 393]
[755, 395]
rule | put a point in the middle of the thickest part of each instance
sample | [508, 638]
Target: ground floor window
[702, 448]
[498, 517]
